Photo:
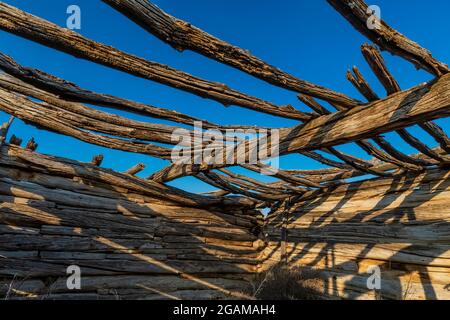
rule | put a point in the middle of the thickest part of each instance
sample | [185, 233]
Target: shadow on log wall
[131, 245]
[128, 245]
[401, 225]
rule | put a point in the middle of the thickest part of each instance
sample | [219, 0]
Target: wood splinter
[4, 129]
[15, 140]
[135, 169]
[97, 160]
[31, 145]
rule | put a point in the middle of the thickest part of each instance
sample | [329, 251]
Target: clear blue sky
[305, 38]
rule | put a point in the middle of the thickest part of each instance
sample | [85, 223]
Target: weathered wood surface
[24, 159]
[128, 243]
[377, 64]
[31, 27]
[183, 35]
[140, 239]
[71, 92]
[357, 13]
[400, 224]
[424, 102]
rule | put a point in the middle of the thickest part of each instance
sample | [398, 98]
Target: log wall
[138, 243]
[128, 245]
[401, 225]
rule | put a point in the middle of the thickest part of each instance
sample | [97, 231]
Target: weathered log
[259, 167]
[95, 120]
[358, 81]
[182, 35]
[359, 164]
[357, 13]
[310, 102]
[64, 167]
[438, 134]
[424, 102]
[40, 115]
[377, 64]
[70, 91]
[135, 169]
[31, 27]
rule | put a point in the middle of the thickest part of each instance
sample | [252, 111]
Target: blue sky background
[305, 38]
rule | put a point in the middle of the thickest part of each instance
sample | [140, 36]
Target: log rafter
[39, 30]
[61, 107]
[424, 102]
[356, 12]
[377, 64]
[182, 35]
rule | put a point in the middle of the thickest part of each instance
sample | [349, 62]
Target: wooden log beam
[282, 175]
[422, 147]
[357, 13]
[313, 104]
[82, 117]
[135, 169]
[422, 103]
[360, 164]
[234, 186]
[36, 29]
[42, 116]
[14, 156]
[438, 134]
[251, 183]
[402, 159]
[377, 64]
[328, 162]
[182, 35]
[333, 174]
[360, 83]
[99, 121]
[69, 91]
[363, 166]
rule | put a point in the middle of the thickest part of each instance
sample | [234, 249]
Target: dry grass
[281, 283]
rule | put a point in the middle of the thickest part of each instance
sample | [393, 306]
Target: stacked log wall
[400, 225]
[131, 245]
[128, 245]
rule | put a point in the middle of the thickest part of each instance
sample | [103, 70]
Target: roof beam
[357, 13]
[44, 32]
[422, 103]
[182, 35]
[69, 91]
[12, 156]
[377, 64]
[95, 120]
[44, 115]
